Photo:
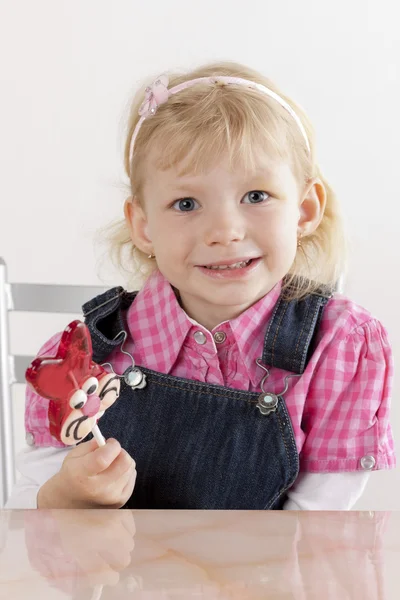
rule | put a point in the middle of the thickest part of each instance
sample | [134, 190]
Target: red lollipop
[71, 382]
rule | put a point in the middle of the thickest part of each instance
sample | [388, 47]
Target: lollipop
[75, 386]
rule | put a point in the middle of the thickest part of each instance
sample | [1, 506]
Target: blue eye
[256, 196]
[185, 204]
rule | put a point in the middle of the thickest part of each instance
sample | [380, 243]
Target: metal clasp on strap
[267, 401]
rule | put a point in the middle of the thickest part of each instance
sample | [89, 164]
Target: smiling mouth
[238, 265]
[75, 423]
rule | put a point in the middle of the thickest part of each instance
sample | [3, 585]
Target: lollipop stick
[98, 436]
[98, 590]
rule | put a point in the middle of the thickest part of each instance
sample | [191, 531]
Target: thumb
[101, 458]
[85, 448]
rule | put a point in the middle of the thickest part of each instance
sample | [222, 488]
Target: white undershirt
[311, 491]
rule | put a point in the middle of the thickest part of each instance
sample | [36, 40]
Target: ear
[312, 206]
[136, 220]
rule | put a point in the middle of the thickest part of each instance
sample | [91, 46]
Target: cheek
[281, 225]
[168, 229]
[172, 244]
[279, 238]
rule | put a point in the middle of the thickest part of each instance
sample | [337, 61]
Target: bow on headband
[155, 95]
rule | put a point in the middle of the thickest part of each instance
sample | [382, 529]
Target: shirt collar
[249, 330]
[159, 326]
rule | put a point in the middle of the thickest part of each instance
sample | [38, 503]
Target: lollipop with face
[79, 390]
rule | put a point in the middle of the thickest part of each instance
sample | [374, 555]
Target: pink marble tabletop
[157, 555]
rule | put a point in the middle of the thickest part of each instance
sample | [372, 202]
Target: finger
[83, 448]
[127, 490]
[121, 465]
[119, 490]
[100, 459]
[117, 485]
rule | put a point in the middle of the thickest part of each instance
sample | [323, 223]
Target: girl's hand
[91, 477]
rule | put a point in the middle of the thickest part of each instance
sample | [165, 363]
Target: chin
[235, 298]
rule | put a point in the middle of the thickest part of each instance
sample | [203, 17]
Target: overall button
[367, 463]
[200, 337]
[267, 403]
[219, 337]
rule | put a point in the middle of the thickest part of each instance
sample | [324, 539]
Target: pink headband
[158, 93]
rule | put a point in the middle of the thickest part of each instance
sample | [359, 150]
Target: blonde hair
[203, 123]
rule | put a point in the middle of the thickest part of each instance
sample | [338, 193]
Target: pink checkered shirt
[339, 407]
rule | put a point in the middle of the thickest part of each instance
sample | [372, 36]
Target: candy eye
[90, 386]
[78, 399]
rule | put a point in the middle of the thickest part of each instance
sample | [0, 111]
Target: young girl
[257, 385]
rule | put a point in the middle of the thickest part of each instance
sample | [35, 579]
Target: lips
[233, 270]
[238, 265]
[234, 263]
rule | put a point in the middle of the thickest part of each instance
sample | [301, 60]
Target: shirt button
[200, 337]
[30, 439]
[219, 337]
[367, 463]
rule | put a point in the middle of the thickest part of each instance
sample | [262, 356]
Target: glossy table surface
[99, 554]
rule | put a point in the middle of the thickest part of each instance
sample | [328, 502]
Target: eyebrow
[262, 179]
[185, 187]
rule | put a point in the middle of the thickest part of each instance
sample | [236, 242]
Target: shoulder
[344, 320]
[352, 339]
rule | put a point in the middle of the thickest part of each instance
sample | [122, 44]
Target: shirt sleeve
[43, 456]
[326, 491]
[37, 426]
[36, 466]
[346, 413]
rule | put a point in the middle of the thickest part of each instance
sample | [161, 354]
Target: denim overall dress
[205, 446]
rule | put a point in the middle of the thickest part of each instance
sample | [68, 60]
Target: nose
[225, 225]
[92, 406]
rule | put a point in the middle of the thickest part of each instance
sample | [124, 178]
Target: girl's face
[223, 238]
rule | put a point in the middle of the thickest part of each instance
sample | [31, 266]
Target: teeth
[238, 265]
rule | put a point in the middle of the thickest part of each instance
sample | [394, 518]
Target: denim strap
[288, 342]
[105, 320]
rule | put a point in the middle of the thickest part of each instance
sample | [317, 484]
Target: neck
[212, 315]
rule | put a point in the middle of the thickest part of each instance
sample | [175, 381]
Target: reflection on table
[101, 554]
